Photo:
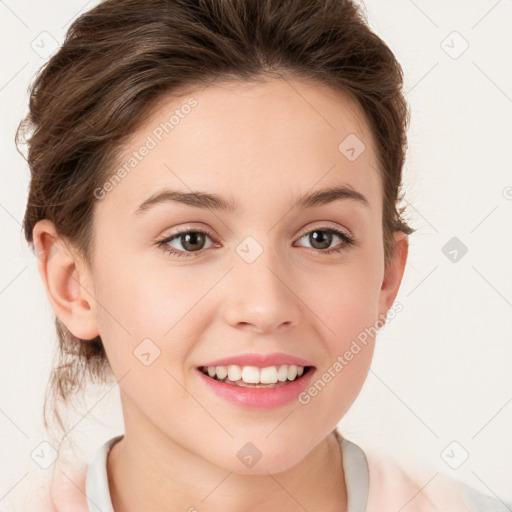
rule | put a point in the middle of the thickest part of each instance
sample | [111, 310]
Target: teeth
[282, 373]
[268, 375]
[221, 372]
[234, 372]
[255, 375]
[250, 374]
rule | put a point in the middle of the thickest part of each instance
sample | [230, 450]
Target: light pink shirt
[373, 485]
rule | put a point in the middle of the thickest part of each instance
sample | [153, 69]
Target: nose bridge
[260, 295]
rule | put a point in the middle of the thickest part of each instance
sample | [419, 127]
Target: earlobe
[394, 273]
[66, 281]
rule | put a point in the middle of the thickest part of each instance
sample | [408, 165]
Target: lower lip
[259, 398]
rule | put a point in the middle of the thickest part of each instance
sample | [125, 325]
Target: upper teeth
[255, 375]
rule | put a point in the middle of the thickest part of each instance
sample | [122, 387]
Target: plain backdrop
[440, 387]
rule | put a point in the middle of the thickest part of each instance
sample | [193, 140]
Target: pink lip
[260, 360]
[259, 398]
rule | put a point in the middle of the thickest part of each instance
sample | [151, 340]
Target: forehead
[276, 134]
[262, 104]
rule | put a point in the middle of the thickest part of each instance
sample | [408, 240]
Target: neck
[154, 473]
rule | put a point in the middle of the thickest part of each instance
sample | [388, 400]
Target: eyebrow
[216, 202]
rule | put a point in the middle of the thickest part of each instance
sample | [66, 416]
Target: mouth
[256, 377]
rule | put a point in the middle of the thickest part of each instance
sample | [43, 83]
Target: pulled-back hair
[122, 57]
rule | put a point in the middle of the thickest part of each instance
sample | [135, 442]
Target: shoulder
[478, 502]
[392, 486]
[61, 490]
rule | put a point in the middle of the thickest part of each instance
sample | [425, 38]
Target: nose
[260, 296]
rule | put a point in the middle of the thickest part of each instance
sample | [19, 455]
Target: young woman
[214, 207]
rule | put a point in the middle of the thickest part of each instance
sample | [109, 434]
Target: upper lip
[259, 360]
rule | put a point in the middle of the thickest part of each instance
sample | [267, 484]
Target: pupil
[325, 243]
[190, 239]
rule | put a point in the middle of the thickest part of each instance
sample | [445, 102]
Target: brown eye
[183, 242]
[322, 238]
[193, 241]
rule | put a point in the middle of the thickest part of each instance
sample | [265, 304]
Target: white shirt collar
[355, 468]
[96, 483]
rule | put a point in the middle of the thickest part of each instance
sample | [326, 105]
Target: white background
[442, 367]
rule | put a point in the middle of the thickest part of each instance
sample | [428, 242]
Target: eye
[194, 240]
[190, 241]
[321, 238]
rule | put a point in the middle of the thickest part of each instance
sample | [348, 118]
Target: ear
[393, 273]
[67, 281]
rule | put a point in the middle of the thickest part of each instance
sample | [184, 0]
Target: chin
[251, 461]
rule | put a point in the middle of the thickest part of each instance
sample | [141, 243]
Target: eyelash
[348, 241]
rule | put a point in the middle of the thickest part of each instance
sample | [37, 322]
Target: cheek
[348, 316]
[144, 326]
[157, 311]
[346, 301]
[144, 299]
[132, 306]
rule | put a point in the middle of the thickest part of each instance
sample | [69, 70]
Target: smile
[252, 376]
[251, 387]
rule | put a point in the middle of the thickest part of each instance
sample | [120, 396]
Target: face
[256, 272]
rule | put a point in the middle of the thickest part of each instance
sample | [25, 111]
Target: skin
[262, 145]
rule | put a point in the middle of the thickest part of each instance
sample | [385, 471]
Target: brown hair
[123, 56]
